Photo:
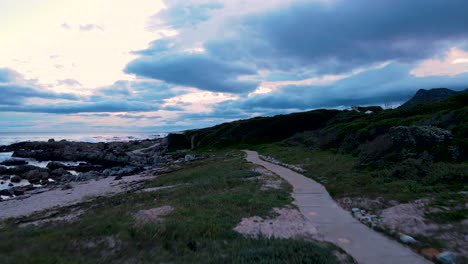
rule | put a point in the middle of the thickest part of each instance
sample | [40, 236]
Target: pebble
[407, 239]
[429, 253]
[447, 257]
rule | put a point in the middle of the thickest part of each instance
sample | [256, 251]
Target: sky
[171, 65]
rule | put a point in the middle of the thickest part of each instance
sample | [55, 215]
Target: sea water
[7, 138]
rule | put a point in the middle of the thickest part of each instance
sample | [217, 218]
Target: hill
[427, 96]
[409, 164]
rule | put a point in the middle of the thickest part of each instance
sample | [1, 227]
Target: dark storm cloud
[342, 35]
[194, 70]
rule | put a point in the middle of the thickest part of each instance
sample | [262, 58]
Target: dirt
[79, 190]
[152, 215]
[375, 204]
[68, 218]
[409, 218]
[289, 223]
[270, 180]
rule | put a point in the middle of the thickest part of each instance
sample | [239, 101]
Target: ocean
[7, 138]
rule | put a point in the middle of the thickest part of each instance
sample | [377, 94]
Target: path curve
[336, 225]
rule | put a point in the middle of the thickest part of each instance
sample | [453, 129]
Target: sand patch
[152, 215]
[289, 223]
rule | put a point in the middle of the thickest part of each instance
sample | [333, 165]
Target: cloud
[8, 75]
[83, 107]
[126, 116]
[340, 36]
[142, 90]
[183, 13]
[155, 47]
[69, 82]
[194, 70]
[216, 114]
[15, 89]
[65, 26]
[390, 84]
[91, 27]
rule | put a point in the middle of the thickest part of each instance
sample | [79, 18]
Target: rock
[11, 184]
[429, 253]
[84, 167]
[190, 157]
[407, 239]
[51, 140]
[14, 162]
[22, 169]
[118, 178]
[15, 179]
[108, 172]
[87, 176]
[3, 170]
[56, 165]
[356, 210]
[447, 257]
[5, 192]
[28, 187]
[67, 187]
[60, 172]
[18, 192]
[157, 160]
[36, 175]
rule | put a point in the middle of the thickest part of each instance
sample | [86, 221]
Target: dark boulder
[13, 162]
[34, 176]
[59, 172]
[85, 167]
[4, 170]
[15, 179]
[6, 192]
[18, 192]
[22, 169]
[53, 165]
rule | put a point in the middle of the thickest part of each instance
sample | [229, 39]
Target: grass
[343, 178]
[212, 198]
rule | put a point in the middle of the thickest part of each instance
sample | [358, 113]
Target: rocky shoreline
[67, 161]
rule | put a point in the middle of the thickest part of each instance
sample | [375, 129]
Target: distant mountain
[428, 96]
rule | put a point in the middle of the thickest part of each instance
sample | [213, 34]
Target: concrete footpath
[336, 225]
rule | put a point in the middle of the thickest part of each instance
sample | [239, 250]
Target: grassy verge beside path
[210, 199]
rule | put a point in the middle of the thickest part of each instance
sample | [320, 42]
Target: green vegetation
[209, 198]
[402, 154]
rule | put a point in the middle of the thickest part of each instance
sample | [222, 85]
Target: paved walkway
[336, 225]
